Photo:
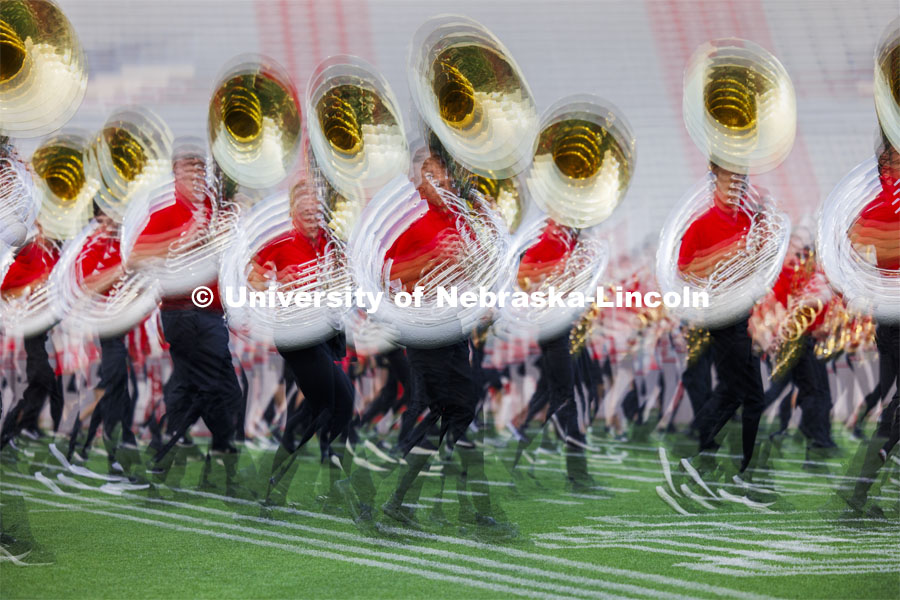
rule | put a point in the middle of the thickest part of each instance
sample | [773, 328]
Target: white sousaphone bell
[358, 144]
[254, 122]
[740, 109]
[64, 185]
[132, 155]
[43, 72]
[471, 93]
[584, 158]
[852, 268]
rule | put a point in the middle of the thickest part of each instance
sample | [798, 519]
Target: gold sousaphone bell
[472, 95]
[356, 135]
[132, 152]
[583, 161]
[254, 122]
[66, 182]
[739, 105]
[43, 72]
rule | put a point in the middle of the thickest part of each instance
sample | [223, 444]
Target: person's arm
[99, 282]
[703, 264]
[884, 240]
[19, 291]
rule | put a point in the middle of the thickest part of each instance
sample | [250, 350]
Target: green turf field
[617, 540]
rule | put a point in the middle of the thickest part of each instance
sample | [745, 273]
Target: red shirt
[288, 250]
[793, 283]
[167, 224]
[883, 213]
[554, 244]
[420, 243]
[100, 253]
[712, 232]
[33, 262]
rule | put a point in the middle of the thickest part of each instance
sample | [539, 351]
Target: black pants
[415, 407]
[203, 384]
[42, 383]
[447, 389]
[887, 339]
[539, 399]
[115, 406]
[784, 409]
[740, 386]
[813, 396]
[327, 407]
[697, 382]
[389, 397]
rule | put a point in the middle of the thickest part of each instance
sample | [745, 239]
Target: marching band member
[205, 385]
[712, 237]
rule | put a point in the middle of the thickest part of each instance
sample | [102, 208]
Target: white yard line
[394, 567]
[357, 539]
[387, 560]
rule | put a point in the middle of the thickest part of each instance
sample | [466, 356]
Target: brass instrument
[739, 106]
[866, 288]
[584, 327]
[887, 82]
[791, 336]
[131, 156]
[504, 196]
[582, 167]
[19, 204]
[356, 136]
[28, 311]
[104, 313]
[853, 268]
[740, 109]
[472, 95]
[43, 72]
[254, 122]
[66, 182]
[583, 161]
[290, 325]
[835, 322]
[132, 151]
[698, 340]
[802, 312]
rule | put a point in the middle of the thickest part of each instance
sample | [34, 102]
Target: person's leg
[447, 388]
[415, 407]
[311, 368]
[891, 427]
[181, 393]
[41, 383]
[399, 366]
[824, 403]
[384, 401]
[697, 382]
[740, 383]
[887, 340]
[115, 401]
[560, 370]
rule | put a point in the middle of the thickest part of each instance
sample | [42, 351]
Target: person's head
[305, 208]
[190, 172]
[189, 169]
[723, 197]
[888, 158]
[434, 173]
[101, 217]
